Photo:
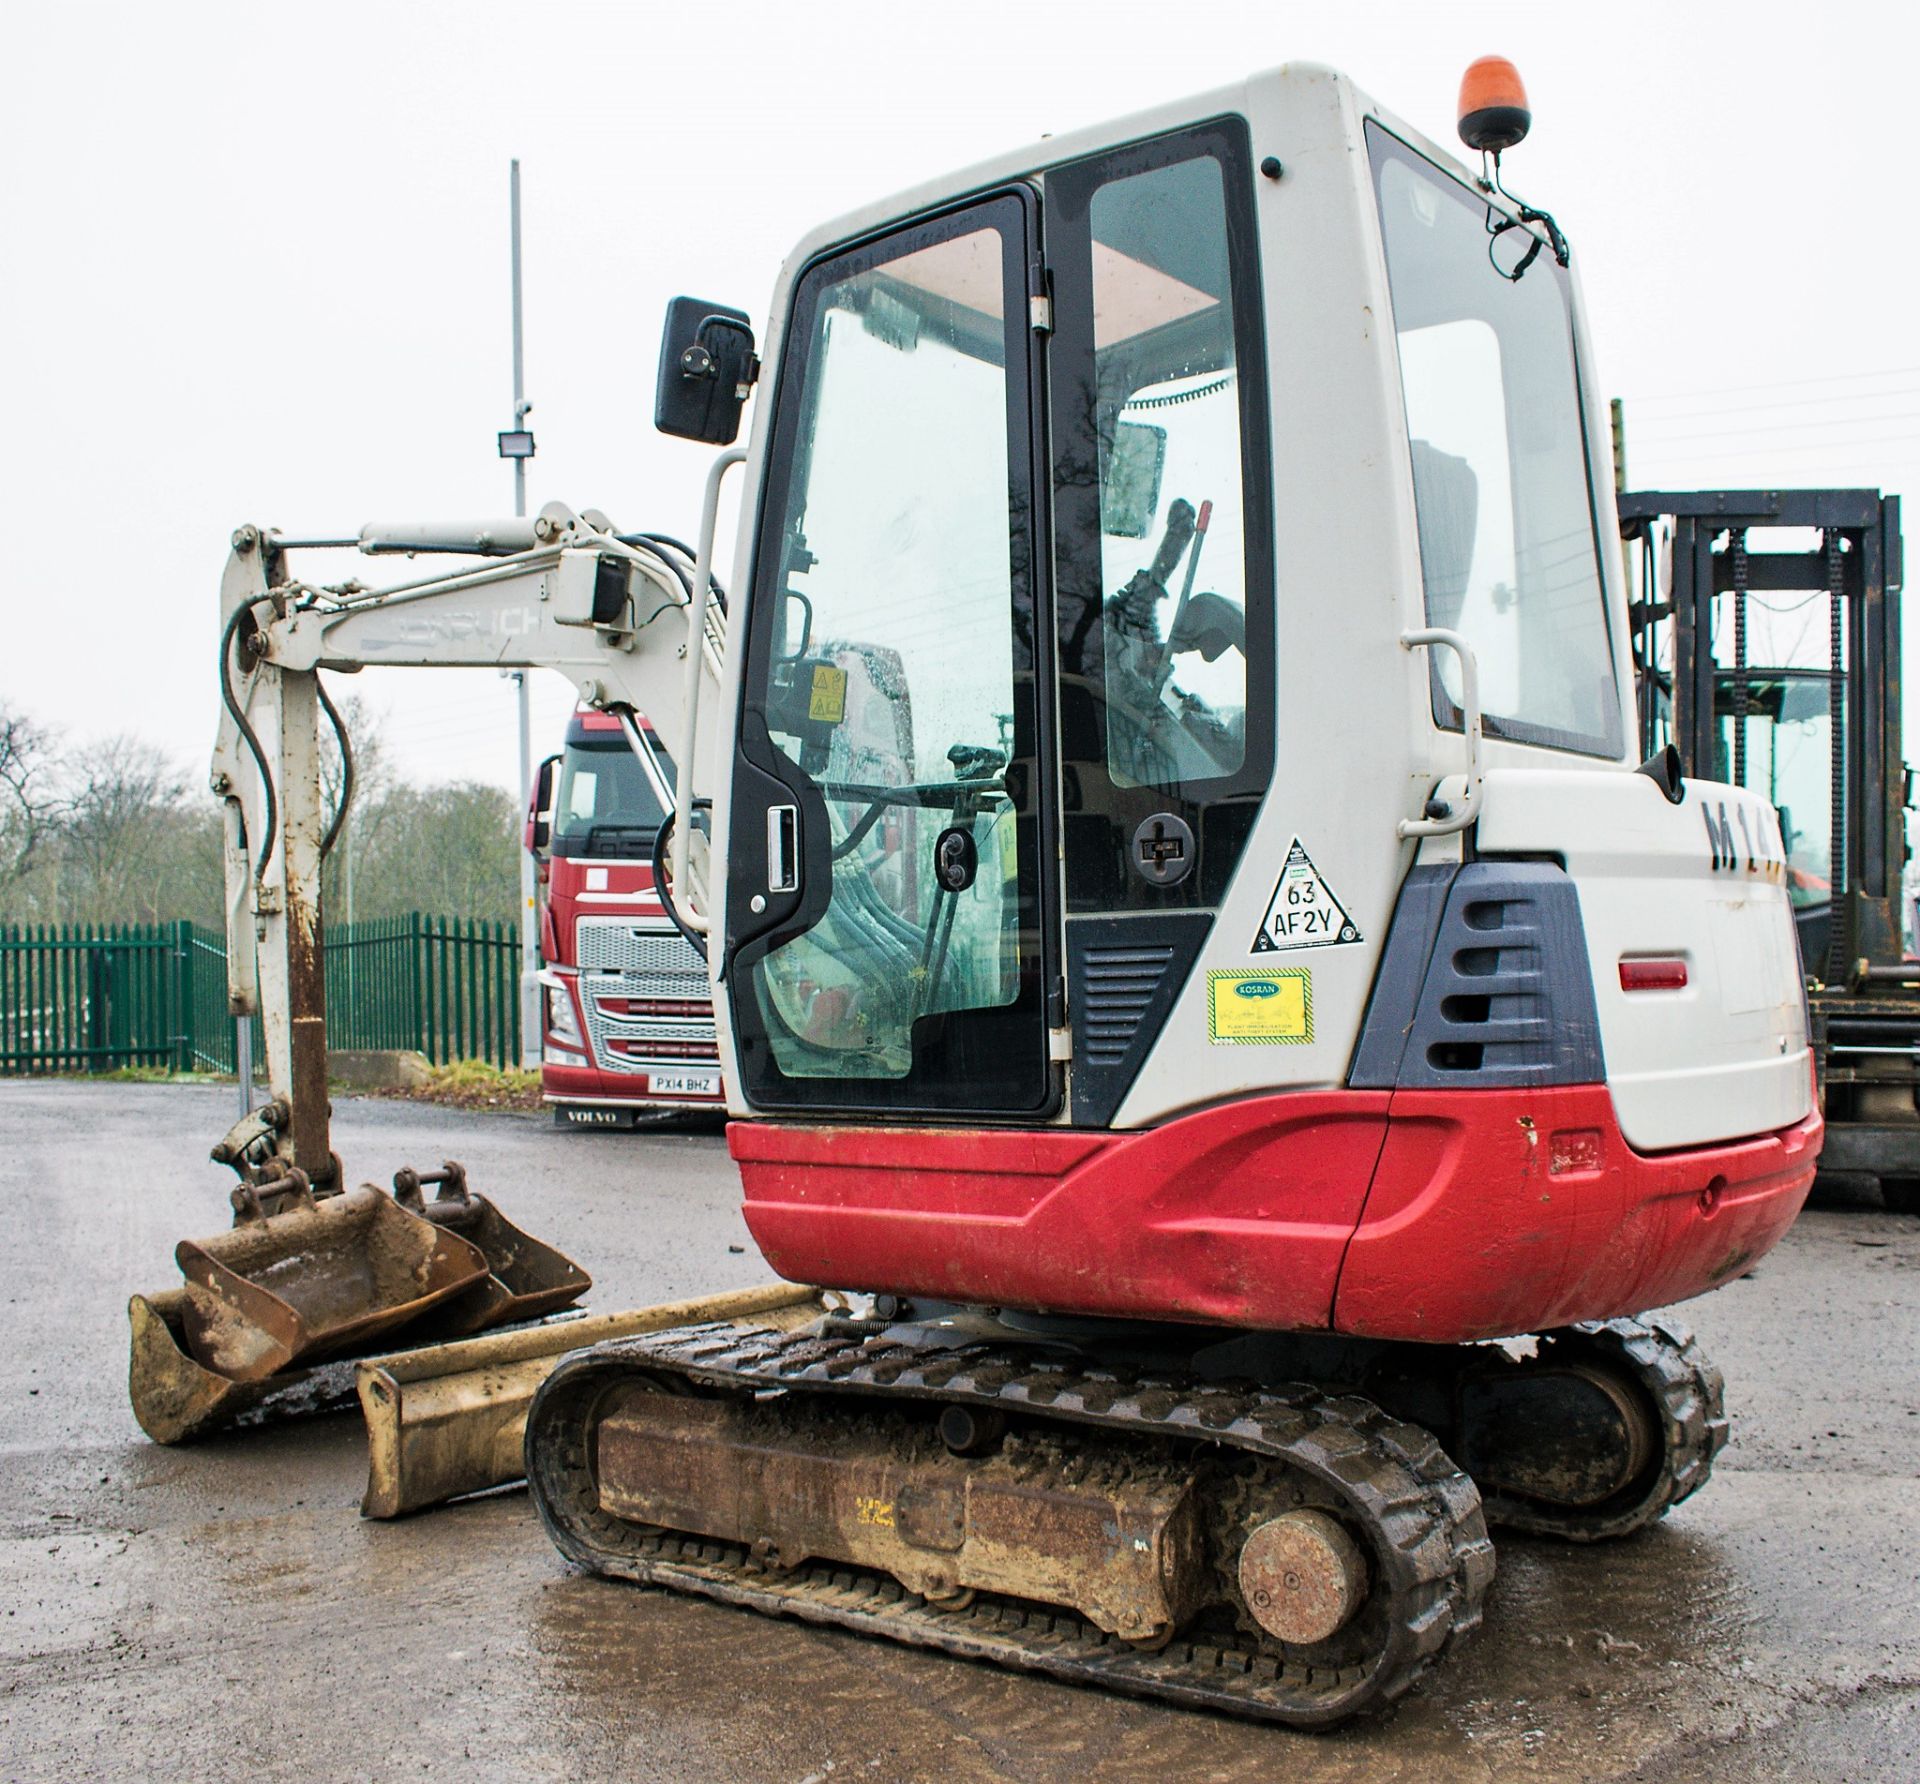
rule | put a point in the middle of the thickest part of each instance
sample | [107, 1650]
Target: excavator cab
[1233, 536]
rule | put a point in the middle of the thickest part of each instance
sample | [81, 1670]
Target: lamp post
[516, 446]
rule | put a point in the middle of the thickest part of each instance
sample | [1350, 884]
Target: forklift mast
[1710, 682]
[1820, 737]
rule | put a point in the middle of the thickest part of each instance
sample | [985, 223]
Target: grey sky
[255, 258]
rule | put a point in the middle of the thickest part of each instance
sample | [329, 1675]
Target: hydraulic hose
[679, 548]
[252, 742]
[346, 769]
[662, 891]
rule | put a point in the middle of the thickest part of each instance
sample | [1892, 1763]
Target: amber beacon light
[1493, 105]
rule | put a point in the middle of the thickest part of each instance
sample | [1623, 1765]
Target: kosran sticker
[1273, 1009]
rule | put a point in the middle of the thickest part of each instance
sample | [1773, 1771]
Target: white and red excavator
[1197, 958]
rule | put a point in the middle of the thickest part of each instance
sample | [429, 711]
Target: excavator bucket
[314, 1280]
[526, 1279]
[273, 1314]
[177, 1399]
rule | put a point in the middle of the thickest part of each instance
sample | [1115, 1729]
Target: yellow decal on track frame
[1274, 1009]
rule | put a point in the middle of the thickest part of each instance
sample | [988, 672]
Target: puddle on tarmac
[1572, 1675]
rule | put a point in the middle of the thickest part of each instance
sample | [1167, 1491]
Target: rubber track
[1666, 1362]
[1428, 1541]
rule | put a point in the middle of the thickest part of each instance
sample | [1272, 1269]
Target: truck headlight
[562, 1025]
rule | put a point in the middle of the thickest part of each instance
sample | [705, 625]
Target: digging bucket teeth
[317, 1279]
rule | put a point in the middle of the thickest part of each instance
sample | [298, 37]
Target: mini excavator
[1198, 969]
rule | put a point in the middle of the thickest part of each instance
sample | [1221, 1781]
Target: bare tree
[118, 832]
[369, 811]
[450, 850]
[123, 822]
[30, 802]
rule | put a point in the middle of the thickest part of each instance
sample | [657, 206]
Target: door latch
[783, 848]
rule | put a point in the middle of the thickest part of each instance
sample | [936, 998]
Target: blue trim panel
[1484, 984]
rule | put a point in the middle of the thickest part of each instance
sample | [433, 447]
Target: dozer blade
[449, 1419]
[177, 1399]
[526, 1278]
[318, 1279]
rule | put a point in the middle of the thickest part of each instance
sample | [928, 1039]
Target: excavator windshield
[1508, 543]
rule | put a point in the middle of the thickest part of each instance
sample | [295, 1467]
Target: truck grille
[656, 987]
[655, 955]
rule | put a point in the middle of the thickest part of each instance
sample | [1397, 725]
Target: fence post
[183, 997]
[417, 1013]
[443, 1033]
[510, 977]
[97, 994]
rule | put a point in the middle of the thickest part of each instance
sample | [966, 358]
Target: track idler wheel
[1598, 1435]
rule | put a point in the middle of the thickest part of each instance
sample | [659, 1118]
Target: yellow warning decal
[1276, 1008]
[873, 1511]
[827, 703]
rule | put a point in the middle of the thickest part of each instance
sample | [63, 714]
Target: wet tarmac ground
[221, 1611]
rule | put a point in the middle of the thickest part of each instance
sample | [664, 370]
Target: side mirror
[540, 808]
[707, 366]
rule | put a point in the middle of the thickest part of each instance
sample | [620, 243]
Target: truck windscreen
[605, 806]
[1500, 471]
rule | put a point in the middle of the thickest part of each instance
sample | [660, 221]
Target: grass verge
[473, 1084]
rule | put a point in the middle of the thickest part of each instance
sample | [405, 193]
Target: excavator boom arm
[615, 617]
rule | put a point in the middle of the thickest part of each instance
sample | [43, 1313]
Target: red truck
[626, 1019]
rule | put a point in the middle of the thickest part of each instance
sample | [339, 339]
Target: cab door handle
[783, 848]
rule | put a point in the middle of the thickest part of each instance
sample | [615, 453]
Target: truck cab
[626, 1019]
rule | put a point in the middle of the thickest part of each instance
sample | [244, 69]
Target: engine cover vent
[1485, 983]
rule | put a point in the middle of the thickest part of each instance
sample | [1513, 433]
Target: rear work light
[1665, 974]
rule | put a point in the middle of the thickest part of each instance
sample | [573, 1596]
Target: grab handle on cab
[1455, 815]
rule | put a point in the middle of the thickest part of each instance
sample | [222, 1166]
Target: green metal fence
[449, 989]
[95, 998]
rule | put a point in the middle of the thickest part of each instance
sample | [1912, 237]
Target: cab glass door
[886, 948]
[1162, 493]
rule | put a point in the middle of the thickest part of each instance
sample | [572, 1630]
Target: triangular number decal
[1303, 912]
